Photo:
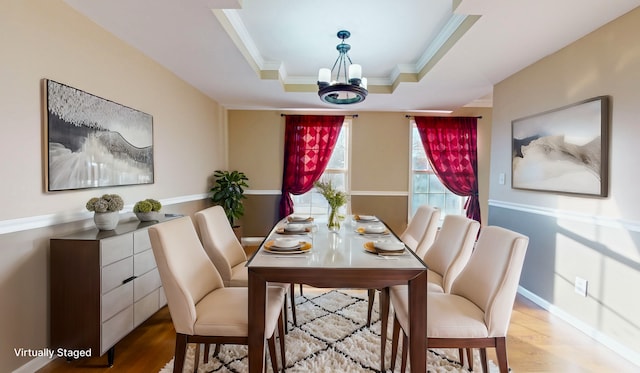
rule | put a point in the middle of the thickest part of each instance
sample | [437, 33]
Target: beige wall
[47, 39]
[379, 163]
[593, 238]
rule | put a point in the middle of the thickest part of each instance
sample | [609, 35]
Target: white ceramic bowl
[374, 228]
[294, 227]
[366, 217]
[389, 245]
[285, 242]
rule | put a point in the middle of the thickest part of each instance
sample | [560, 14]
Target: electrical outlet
[581, 286]
[501, 178]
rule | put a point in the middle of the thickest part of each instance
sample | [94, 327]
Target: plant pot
[106, 221]
[148, 216]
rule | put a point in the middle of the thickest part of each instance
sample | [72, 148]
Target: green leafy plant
[228, 192]
[106, 203]
[334, 197]
[147, 205]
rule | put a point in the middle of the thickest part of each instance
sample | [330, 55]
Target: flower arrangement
[335, 198]
[106, 203]
[147, 205]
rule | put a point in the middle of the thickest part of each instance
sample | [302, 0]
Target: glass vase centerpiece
[105, 209]
[336, 199]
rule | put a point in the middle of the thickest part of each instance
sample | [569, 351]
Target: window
[313, 203]
[425, 187]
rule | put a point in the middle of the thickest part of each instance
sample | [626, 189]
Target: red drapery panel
[451, 147]
[308, 143]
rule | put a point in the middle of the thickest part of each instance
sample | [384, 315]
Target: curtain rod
[411, 116]
[348, 115]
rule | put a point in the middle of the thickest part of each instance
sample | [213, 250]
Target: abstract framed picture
[91, 142]
[564, 150]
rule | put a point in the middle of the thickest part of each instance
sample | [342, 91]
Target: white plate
[367, 218]
[299, 218]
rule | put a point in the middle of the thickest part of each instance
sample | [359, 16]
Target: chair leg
[293, 303]
[372, 298]
[405, 352]
[281, 334]
[286, 313]
[180, 352]
[470, 357]
[207, 349]
[501, 353]
[196, 358]
[394, 343]
[301, 290]
[272, 352]
[217, 350]
[384, 321]
[483, 360]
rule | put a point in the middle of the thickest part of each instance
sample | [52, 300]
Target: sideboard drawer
[145, 307]
[116, 248]
[116, 328]
[145, 284]
[143, 262]
[116, 300]
[141, 240]
[114, 274]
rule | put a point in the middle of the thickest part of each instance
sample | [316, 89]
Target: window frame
[413, 131]
[321, 207]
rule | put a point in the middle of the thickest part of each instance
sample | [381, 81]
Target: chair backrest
[186, 272]
[491, 277]
[219, 241]
[421, 230]
[452, 248]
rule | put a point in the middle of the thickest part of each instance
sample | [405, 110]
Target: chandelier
[348, 86]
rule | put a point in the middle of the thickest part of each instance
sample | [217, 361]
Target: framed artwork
[564, 150]
[91, 142]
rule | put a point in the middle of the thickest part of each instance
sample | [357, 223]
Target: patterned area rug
[331, 336]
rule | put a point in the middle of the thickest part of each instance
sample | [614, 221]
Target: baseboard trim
[34, 365]
[598, 336]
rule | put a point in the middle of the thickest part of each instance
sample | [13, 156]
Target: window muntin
[426, 188]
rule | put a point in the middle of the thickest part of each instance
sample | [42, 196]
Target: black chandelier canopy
[348, 87]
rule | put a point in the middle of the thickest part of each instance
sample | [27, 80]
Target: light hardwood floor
[537, 342]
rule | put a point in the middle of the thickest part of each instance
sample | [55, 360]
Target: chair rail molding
[604, 221]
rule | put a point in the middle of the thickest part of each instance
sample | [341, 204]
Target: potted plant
[147, 210]
[105, 209]
[228, 192]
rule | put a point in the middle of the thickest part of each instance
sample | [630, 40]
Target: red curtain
[308, 143]
[451, 147]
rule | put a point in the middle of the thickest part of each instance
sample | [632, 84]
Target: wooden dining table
[337, 260]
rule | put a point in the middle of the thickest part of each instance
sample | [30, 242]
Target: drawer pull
[129, 279]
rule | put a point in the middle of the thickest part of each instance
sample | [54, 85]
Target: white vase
[106, 221]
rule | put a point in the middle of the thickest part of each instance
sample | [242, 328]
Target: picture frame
[564, 150]
[92, 142]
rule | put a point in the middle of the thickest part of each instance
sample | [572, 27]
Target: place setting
[294, 229]
[287, 246]
[384, 248]
[374, 230]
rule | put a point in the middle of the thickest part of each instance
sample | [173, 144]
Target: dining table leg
[418, 323]
[257, 304]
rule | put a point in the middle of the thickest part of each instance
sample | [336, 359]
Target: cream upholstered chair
[227, 253]
[445, 258]
[202, 309]
[477, 311]
[449, 253]
[422, 229]
[419, 235]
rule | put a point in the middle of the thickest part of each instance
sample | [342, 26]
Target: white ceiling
[224, 47]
